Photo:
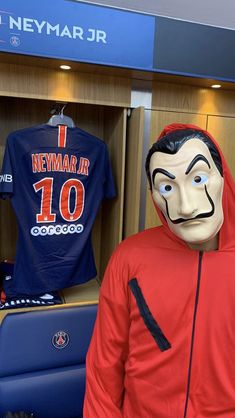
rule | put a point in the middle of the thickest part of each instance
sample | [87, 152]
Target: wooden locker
[97, 103]
[223, 130]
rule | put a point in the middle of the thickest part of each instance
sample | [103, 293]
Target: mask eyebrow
[161, 170]
[199, 157]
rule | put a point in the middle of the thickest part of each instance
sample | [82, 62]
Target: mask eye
[199, 179]
[165, 189]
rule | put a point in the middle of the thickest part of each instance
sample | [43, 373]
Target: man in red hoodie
[164, 339]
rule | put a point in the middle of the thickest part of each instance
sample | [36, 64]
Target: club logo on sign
[60, 339]
[15, 41]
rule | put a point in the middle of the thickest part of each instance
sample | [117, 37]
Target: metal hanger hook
[62, 109]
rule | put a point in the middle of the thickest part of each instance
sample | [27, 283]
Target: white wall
[210, 12]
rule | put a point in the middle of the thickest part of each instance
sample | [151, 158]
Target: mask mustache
[199, 216]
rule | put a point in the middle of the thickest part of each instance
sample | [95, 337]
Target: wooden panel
[112, 212]
[96, 239]
[43, 62]
[182, 98]
[223, 130]
[87, 292]
[81, 302]
[51, 84]
[133, 171]
[158, 121]
[9, 231]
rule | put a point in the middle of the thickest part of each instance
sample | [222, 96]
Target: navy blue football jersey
[56, 177]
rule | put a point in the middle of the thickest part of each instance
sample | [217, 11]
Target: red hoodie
[164, 340]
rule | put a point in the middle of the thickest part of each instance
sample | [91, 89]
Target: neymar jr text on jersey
[47, 162]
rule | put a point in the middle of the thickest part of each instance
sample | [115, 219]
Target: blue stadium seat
[42, 361]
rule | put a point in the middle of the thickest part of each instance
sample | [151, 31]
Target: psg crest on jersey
[60, 339]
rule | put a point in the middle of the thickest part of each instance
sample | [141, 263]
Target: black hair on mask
[173, 141]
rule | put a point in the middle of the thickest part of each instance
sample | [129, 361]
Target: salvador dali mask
[187, 187]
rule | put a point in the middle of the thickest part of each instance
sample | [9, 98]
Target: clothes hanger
[59, 118]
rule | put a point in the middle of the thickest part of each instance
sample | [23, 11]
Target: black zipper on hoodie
[147, 316]
[193, 331]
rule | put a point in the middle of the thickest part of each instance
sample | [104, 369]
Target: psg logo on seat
[60, 339]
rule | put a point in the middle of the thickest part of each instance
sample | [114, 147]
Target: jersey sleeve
[109, 186]
[109, 348]
[6, 176]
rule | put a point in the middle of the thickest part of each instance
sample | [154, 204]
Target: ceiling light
[216, 86]
[65, 67]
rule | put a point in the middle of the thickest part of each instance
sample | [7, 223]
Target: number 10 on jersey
[71, 185]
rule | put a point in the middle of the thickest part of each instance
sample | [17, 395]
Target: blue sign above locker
[77, 31]
[67, 29]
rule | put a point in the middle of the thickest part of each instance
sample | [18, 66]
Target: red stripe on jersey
[62, 136]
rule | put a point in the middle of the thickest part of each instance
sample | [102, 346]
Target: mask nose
[187, 206]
